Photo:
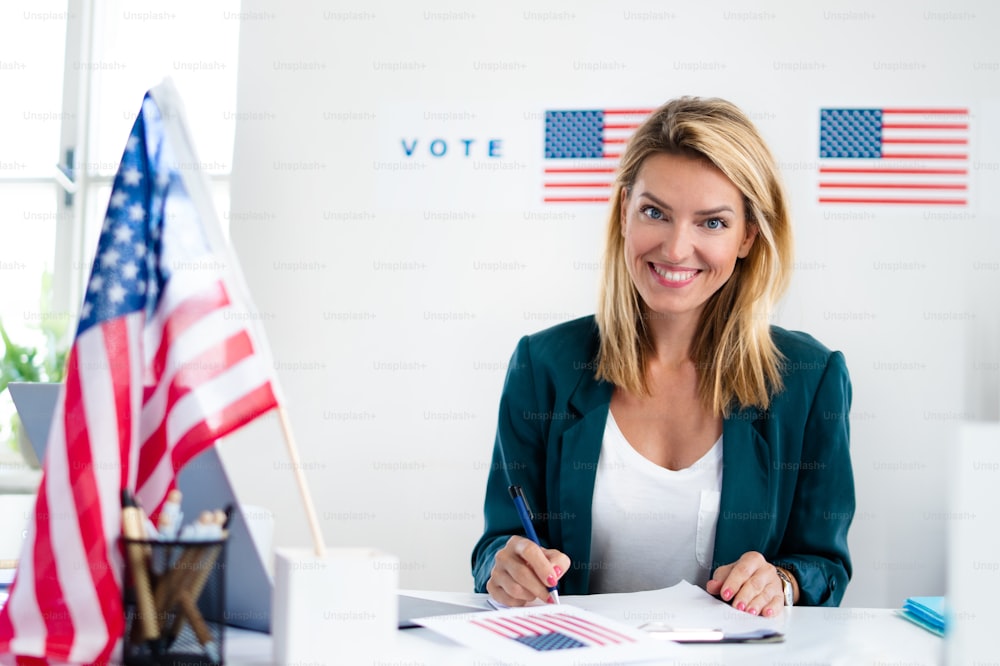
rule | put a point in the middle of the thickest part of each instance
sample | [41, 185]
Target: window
[74, 75]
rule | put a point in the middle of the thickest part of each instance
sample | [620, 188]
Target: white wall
[394, 288]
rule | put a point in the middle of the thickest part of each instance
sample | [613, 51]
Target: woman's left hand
[750, 584]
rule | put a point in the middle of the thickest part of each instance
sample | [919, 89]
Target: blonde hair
[736, 360]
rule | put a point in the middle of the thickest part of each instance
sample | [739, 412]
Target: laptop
[411, 608]
[35, 404]
[204, 484]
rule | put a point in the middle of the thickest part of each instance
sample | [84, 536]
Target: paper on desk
[681, 606]
[550, 635]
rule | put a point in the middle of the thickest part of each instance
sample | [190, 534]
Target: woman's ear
[747, 243]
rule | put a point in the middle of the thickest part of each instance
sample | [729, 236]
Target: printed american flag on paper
[555, 631]
[162, 365]
[582, 150]
[915, 156]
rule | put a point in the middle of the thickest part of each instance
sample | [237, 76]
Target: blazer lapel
[746, 514]
[578, 456]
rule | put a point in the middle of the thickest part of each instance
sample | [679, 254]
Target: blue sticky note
[927, 612]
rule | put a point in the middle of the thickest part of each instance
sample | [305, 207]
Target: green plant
[23, 363]
[45, 362]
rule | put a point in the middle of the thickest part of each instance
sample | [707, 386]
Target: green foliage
[30, 363]
[23, 363]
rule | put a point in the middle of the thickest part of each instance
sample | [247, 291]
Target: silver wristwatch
[786, 587]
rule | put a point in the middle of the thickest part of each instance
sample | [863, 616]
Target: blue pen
[521, 504]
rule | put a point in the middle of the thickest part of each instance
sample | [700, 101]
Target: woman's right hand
[523, 571]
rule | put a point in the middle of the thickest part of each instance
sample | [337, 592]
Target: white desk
[848, 636]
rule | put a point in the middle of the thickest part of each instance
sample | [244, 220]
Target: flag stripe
[523, 625]
[213, 397]
[582, 170]
[554, 623]
[93, 471]
[184, 422]
[558, 185]
[491, 626]
[889, 200]
[925, 156]
[940, 126]
[585, 629]
[196, 339]
[187, 374]
[185, 315]
[628, 112]
[57, 624]
[585, 624]
[597, 199]
[76, 464]
[233, 416]
[897, 186]
[931, 172]
[927, 111]
[191, 374]
[921, 142]
[100, 471]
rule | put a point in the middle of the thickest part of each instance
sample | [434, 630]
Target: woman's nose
[676, 244]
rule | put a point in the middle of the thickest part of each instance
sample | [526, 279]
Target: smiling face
[684, 225]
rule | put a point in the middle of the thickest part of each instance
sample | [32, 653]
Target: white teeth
[674, 276]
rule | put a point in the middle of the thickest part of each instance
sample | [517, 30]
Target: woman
[676, 434]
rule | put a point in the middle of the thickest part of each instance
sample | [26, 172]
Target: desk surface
[854, 636]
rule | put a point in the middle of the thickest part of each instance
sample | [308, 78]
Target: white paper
[550, 634]
[682, 606]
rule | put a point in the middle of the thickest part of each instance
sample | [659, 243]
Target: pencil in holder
[174, 597]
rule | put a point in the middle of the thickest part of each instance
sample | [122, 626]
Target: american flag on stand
[555, 631]
[162, 365]
[894, 156]
[582, 150]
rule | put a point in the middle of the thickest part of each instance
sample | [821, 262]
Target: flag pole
[300, 479]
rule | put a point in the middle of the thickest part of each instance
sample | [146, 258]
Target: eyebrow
[709, 211]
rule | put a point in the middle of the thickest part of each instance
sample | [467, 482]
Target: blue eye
[714, 224]
[652, 212]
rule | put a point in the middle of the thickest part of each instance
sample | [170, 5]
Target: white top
[652, 527]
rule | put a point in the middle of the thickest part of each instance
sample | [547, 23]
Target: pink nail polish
[558, 571]
[551, 580]
[727, 594]
[769, 612]
[741, 606]
[752, 610]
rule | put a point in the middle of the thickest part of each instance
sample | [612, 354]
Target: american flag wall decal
[903, 156]
[582, 150]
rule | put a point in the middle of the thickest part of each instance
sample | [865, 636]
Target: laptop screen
[204, 484]
[35, 403]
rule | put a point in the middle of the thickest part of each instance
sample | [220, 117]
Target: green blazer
[787, 482]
